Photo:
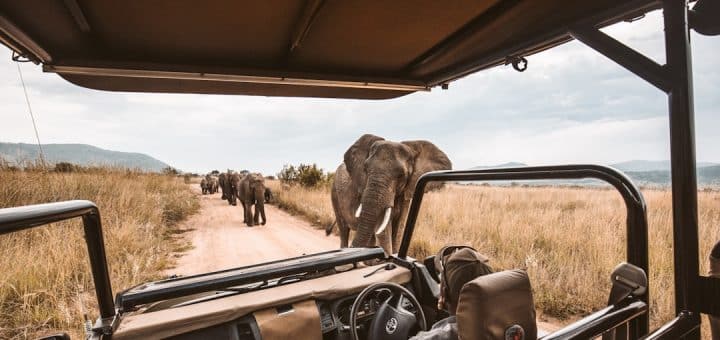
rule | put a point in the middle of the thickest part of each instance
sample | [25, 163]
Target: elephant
[204, 186]
[213, 184]
[252, 192]
[268, 196]
[232, 184]
[372, 188]
[222, 179]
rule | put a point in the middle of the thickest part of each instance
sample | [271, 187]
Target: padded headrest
[494, 304]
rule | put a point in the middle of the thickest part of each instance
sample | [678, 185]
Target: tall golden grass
[568, 239]
[45, 281]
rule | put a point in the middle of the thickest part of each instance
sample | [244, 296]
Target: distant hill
[643, 165]
[498, 166]
[81, 154]
[706, 176]
[642, 172]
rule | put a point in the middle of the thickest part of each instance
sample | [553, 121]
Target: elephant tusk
[385, 221]
[357, 212]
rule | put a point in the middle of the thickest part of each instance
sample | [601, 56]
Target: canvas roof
[369, 49]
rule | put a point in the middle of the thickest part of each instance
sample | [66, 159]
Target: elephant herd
[209, 185]
[248, 188]
[374, 185]
[371, 190]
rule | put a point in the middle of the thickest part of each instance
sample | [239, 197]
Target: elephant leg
[399, 225]
[256, 216]
[344, 235]
[262, 214]
[244, 213]
[248, 214]
[344, 232]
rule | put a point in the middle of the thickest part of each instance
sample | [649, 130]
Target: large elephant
[373, 187]
[252, 192]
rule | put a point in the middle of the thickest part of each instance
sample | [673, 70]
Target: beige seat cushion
[493, 303]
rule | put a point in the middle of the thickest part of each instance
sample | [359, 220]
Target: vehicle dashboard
[333, 295]
[333, 321]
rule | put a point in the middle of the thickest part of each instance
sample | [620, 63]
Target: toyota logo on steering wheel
[391, 326]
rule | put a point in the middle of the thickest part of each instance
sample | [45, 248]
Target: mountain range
[81, 154]
[642, 172]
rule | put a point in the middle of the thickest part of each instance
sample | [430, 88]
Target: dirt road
[222, 241]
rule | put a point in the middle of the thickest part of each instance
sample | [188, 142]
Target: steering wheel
[392, 321]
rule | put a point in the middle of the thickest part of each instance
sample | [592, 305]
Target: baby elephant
[268, 196]
[204, 186]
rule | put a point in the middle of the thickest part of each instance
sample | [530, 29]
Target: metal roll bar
[636, 226]
[31, 216]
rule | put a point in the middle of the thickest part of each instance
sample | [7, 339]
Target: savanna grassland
[45, 280]
[568, 239]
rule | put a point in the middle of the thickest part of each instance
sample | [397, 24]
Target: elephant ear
[355, 157]
[428, 157]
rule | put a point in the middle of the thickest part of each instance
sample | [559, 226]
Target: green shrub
[306, 175]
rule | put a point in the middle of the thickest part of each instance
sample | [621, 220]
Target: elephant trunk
[376, 200]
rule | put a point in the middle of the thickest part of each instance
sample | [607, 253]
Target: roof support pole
[682, 160]
[625, 56]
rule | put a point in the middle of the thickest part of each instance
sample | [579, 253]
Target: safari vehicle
[362, 50]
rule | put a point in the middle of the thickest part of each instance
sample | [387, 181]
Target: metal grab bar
[600, 322]
[31, 216]
[636, 222]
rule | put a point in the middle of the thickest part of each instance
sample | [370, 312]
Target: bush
[168, 170]
[309, 176]
[66, 167]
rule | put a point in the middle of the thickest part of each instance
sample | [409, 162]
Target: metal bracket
[105, 326]
[18, 58]
[519, 63]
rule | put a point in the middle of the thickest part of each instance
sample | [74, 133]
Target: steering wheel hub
[392, 321]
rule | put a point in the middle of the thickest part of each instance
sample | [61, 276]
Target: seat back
[497, 306]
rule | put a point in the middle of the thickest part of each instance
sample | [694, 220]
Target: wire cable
[32, 117]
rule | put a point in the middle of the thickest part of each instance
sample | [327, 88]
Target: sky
[572, 105]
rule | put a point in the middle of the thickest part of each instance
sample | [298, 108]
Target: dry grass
[569, 239]
[45, 281]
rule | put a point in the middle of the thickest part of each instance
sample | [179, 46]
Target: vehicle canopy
[340, 49]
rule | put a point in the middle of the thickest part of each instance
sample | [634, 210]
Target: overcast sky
[571, 105]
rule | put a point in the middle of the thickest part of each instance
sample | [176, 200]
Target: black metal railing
[636, 222]
[31, 216]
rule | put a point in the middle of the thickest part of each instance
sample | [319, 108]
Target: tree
[288, 174]
[168, 170]
[307, 175]
[310, 176]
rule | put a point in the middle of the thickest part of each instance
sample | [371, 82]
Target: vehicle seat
[497, 306]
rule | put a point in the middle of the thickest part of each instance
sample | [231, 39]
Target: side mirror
[429, 263]
[627, 280]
